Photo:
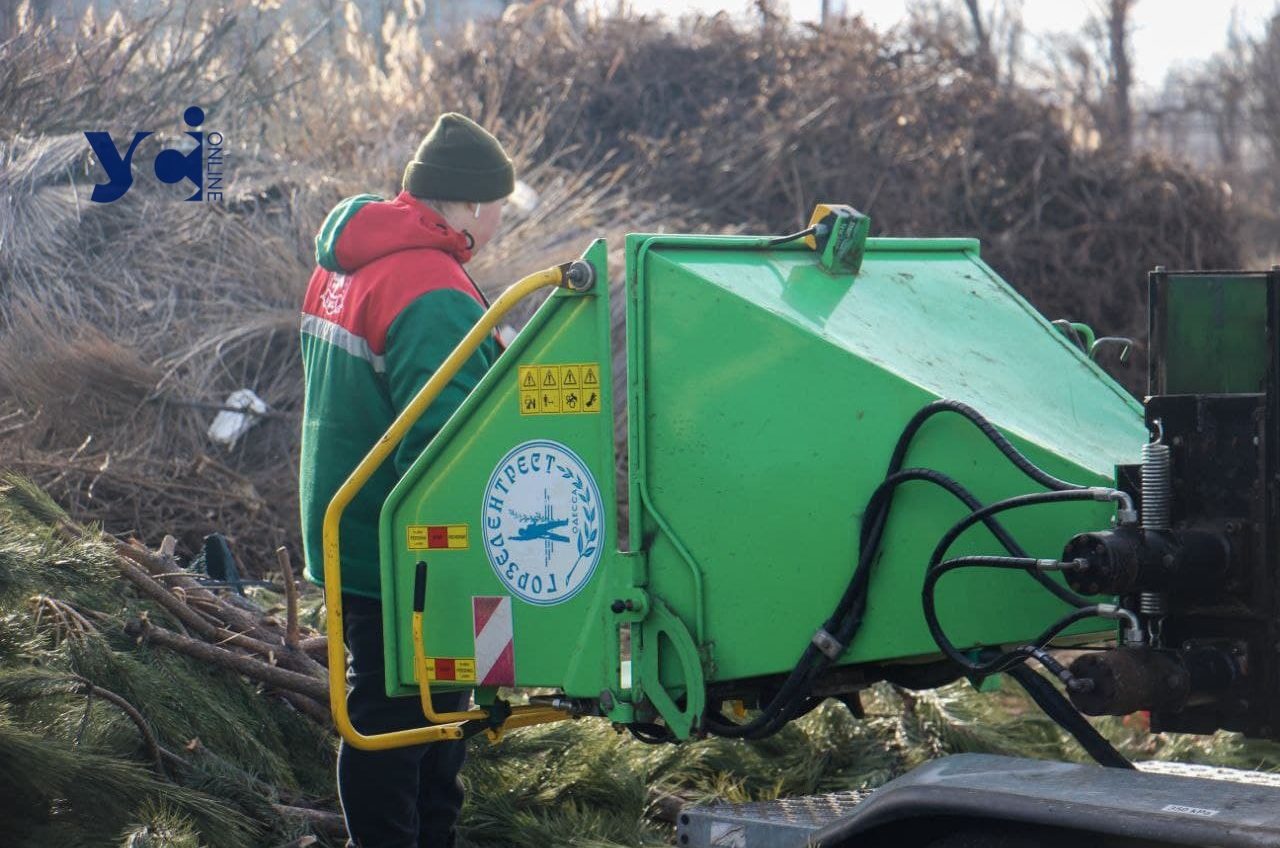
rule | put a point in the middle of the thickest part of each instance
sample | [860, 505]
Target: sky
[1166, 33]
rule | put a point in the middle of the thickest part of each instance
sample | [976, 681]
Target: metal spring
[1156, 486]
[1153, 603]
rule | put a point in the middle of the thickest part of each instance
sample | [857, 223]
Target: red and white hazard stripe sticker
[495, 653]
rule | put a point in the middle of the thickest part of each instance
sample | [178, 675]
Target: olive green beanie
[459, 160]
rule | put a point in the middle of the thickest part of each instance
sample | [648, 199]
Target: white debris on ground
[229, 424]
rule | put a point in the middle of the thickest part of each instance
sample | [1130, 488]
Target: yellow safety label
[548, 401]
[437, 537]
[559, 389]
[451, 669]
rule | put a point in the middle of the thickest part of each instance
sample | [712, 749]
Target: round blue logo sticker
[543, 522]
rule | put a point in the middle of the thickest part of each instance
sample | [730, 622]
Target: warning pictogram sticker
[451, 670]
[559, 389]
[495, 649]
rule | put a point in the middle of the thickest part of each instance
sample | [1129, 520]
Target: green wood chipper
[849, 460]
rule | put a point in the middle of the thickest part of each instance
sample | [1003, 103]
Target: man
[387, 302]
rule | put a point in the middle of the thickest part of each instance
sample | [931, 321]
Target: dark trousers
[402, 797]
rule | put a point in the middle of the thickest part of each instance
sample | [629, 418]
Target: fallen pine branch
[317, 711]
[146, 632]
[168, 572]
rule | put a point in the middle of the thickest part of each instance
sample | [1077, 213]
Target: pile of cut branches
[125, 327]
[211, 627]
[137, 703]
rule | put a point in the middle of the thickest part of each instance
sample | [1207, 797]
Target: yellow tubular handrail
[558, 276]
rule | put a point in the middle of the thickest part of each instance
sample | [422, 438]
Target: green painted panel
[771, 395]
[1213, 335]
[558, 605]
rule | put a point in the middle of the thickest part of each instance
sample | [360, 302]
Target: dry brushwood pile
[125, 327]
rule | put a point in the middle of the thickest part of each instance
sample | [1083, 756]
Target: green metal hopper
[764, 395]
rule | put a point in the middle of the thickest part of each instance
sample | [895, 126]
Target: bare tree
[1120, 89]
[1264, 80]
[981, 36]
[996, 26]
[1092, 74]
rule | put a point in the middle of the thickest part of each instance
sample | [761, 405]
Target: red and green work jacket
[387, 303]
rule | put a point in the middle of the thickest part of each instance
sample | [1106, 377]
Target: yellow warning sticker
[566, 389]
[437, 537]
[529, 402]
[451, 669]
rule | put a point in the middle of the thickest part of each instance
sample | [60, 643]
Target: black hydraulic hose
[936, 570]
[1058, 670]
[851, 609]
[854, 601]
[1005, 660]
[848, 614]
[997, 438]
[1021, 562]
[1066, 716]
[872, 533]
[846, 619]
[885, 491]
[777, 712]
[801, 708]
[781, 240]
[1005, 505]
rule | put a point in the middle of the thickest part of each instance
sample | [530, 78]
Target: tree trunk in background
[1120, 131]
[982, 38]
[1265, 81]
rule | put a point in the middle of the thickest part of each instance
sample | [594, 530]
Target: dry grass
[124, 326]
